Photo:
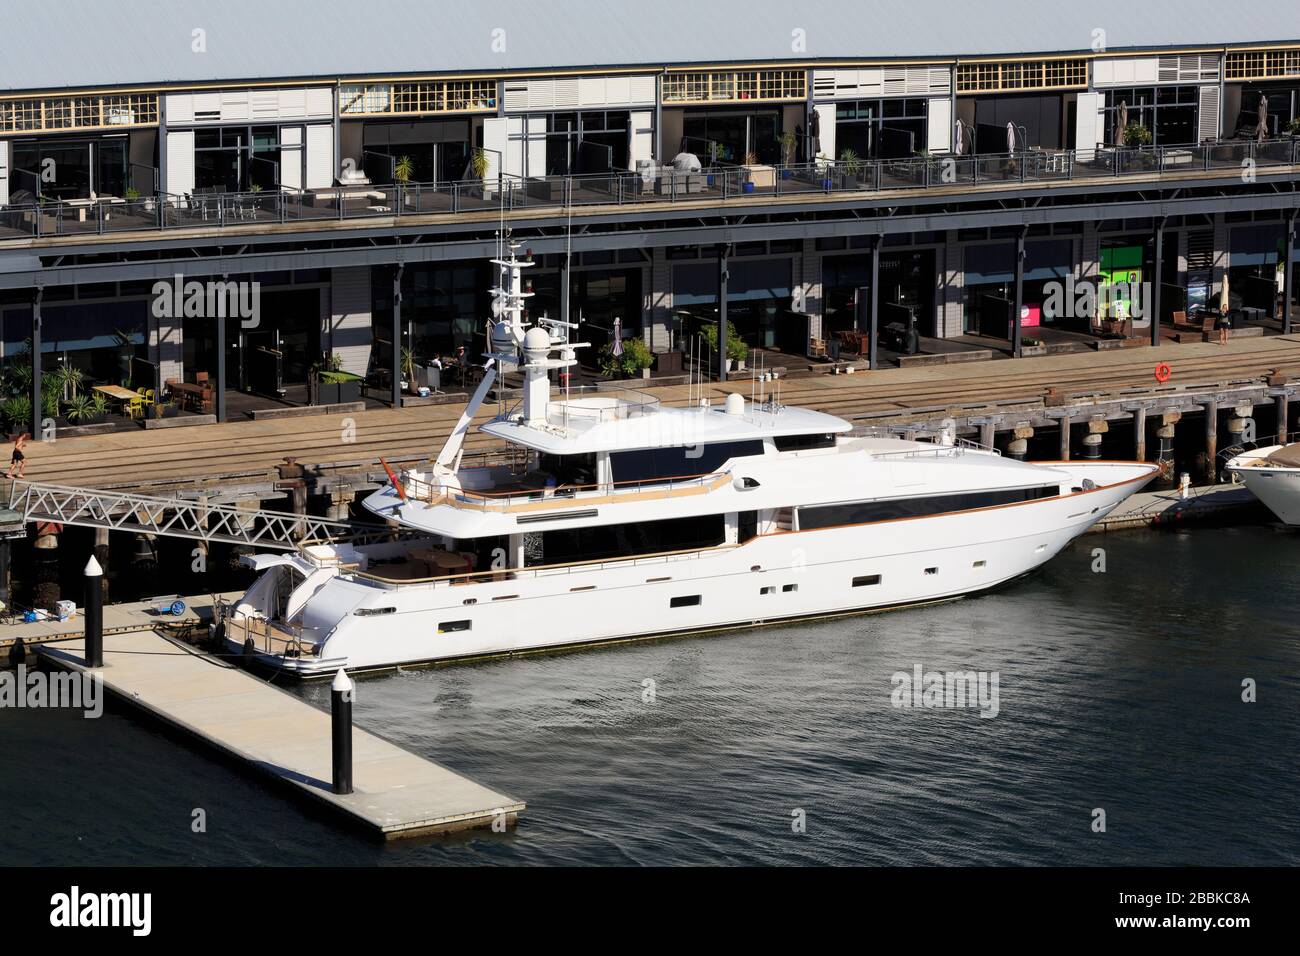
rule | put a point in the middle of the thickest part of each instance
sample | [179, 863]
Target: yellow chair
[135, 407]
[148, 394]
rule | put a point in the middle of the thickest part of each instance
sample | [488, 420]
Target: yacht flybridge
[613, 518]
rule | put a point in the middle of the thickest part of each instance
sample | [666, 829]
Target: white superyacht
[619, 519]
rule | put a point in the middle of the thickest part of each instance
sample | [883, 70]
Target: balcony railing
[165, 212]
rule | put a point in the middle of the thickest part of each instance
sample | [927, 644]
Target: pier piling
[341, 692]
[94, 614]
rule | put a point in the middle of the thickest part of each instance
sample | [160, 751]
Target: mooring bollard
[341, 692]
[94, 613]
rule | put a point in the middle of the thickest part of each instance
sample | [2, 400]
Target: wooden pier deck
[247, 451]
[118, 618]
[398, 794]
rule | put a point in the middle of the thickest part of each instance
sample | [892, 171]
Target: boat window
[692, 601]
[866, 581]
[455, 627]
[804, 442]
[577, 545]
[747, 526]
[569, 471]
[660, 464]
[865, 512]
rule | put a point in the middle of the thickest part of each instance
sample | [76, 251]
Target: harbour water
[1118, 691]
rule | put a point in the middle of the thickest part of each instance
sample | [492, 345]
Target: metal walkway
[180, 518]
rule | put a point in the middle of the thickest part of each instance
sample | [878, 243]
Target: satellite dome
[537, 338]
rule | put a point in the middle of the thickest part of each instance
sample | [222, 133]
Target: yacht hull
[1277, 487]
[773, 579]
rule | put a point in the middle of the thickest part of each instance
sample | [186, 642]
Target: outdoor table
[187, 391]
[117, 393]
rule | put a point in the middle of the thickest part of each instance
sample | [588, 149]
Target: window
[867, 581]
[731, 87]
[663, 464]
[1004, 75]
[790, 588]
[692, 601]
[438, 96]
[455, 627]
[980, 564]
[374, 611]
[606, 542]
[1262, 64]
[931, 572]
[804, 442]
[746, 526]
[765, 592]
[78, 112]
[866, 512]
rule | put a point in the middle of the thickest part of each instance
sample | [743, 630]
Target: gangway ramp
[180, 517]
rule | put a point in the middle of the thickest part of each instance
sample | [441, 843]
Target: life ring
[1163, 373]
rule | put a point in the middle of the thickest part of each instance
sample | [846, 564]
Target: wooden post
[1283, 417]
[1212, 442]
[1066, 422]
[1140, 434]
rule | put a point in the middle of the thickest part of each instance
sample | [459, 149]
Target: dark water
[1119, 691]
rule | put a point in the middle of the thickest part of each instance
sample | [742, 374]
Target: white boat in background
[1273, 475]
[615, 519]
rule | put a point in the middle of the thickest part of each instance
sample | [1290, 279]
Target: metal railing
[509, 193]
[560, 496]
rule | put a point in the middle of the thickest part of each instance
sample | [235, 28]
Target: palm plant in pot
[403, 170]
[851, 167]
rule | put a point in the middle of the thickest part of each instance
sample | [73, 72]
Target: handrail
[162, 212]
[559, 496]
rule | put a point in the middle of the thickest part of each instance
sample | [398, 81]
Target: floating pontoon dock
[397, 793]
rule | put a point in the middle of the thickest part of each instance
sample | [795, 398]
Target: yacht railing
[961, 447]
[562, 496]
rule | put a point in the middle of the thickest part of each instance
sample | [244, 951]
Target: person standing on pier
[1224, 323]
[18, 461]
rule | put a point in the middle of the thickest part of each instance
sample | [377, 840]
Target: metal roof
[70, 44]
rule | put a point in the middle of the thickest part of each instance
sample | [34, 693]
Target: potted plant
[787, 141]
[1135, 135]
[851, 165]
[634, 361]
[737, 350]
[403, 170]
[1293, 128]
[479, 163]
[87, 409]
[17, 412]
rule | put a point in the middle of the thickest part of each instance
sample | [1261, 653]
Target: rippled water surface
[1120, 691]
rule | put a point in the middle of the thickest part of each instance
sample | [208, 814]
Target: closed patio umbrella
[1121, 122]
[814, 134]
[618, 338]
[1011, 137]
[959, 139]
[1263, 117]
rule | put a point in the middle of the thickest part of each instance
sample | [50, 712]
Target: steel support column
[1156, 297]
[872, 347]
[221, 362]
[396, 364]
[37, 431]
[1288, 280]
[1020, 294]
[724, 276]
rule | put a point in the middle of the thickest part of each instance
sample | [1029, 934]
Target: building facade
[945, 187]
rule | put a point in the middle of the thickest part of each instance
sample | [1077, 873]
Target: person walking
[18, 461]
[1223, 323]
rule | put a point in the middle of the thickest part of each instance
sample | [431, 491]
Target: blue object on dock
[177, 608]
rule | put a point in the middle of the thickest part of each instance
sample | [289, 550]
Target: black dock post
[341, 692]
[94, 614]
